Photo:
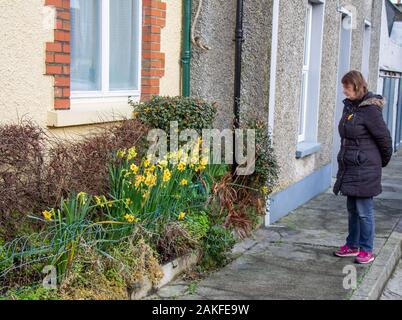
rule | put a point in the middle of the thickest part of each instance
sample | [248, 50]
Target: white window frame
[105, 93]
[366, 54]
[305, 73]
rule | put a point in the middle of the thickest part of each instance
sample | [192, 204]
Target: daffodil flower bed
[157, 192]
[148, 198]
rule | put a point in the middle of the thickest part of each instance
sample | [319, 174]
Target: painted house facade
[294, 55]
[390, 67]
[67, 64]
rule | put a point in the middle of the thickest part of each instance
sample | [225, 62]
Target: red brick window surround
[58, 52]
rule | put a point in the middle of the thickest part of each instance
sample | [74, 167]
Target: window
[366, 49]
[310, 79]
[305, 73]
[105, 48]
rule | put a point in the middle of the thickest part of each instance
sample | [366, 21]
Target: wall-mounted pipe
[186, 51]
[239, 38]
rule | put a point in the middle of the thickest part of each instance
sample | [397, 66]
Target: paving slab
[293, 259]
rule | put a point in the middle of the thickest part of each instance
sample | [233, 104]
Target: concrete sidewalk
[293, 259]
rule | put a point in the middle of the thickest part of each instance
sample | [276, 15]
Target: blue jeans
[361, 223]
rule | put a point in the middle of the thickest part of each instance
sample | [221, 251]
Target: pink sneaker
[345, 252]
[365, 257]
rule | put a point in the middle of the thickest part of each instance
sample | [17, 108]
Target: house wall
[212, 76]
[171, 45]
[28, 88]
[25, 28]
[212, 79]
[391, 58]
[302, 179]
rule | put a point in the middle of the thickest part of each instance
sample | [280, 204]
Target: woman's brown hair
[356, 79]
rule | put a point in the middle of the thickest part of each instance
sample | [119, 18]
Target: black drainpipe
[239, 38]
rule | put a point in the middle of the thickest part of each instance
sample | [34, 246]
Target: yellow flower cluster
[167, 175]
[101, 201]
[182, 215]
[48, 215]
[264, 190]
[134, 168]
[181, 166]
[150, 180]
[132, 153]
[130, 218]
[82, 197]
[129, 154]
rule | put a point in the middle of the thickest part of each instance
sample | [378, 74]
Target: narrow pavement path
[293, 258]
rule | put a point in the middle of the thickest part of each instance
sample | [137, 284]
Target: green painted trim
[186, 52]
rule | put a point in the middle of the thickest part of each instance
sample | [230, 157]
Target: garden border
[171, 271]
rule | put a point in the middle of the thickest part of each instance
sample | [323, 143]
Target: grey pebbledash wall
[213, 71]
[212, 75]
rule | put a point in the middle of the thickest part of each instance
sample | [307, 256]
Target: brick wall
[153, 60]
[58, 52]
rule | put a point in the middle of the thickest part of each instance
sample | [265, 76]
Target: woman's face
[349, 92]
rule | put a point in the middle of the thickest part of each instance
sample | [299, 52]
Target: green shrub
[190, 113]
[216, 246]
[198, 225]
[266, 166]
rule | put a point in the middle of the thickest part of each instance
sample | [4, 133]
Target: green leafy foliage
[190, 113]
[217, 243]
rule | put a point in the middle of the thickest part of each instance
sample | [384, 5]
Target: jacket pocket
[351, 157]
[361, 158]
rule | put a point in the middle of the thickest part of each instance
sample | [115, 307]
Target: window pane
[302, 109]
[85, 45]
[124, 44]
[307, 34]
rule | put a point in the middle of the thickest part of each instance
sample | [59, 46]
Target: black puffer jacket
[366, 147]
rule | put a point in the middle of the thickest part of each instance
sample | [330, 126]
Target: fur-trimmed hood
[375, 100]
[370, 99]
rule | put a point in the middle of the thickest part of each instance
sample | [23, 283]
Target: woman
[366, 149]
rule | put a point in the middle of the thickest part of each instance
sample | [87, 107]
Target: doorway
[345, 45]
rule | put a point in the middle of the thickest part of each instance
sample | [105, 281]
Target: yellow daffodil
[150, 169]
[82, 197]
[138, 180]
[167, 175]
[131, 218]
[134, 168]
[147, 163]
[150, 180]
[163, 163]
[264, 190]
[121, 153]
[204, 161]
[183, 182]
[182, 215]
[132, 153]
[47, 215]
[181, 166]
[100, 201]
[199, 168]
